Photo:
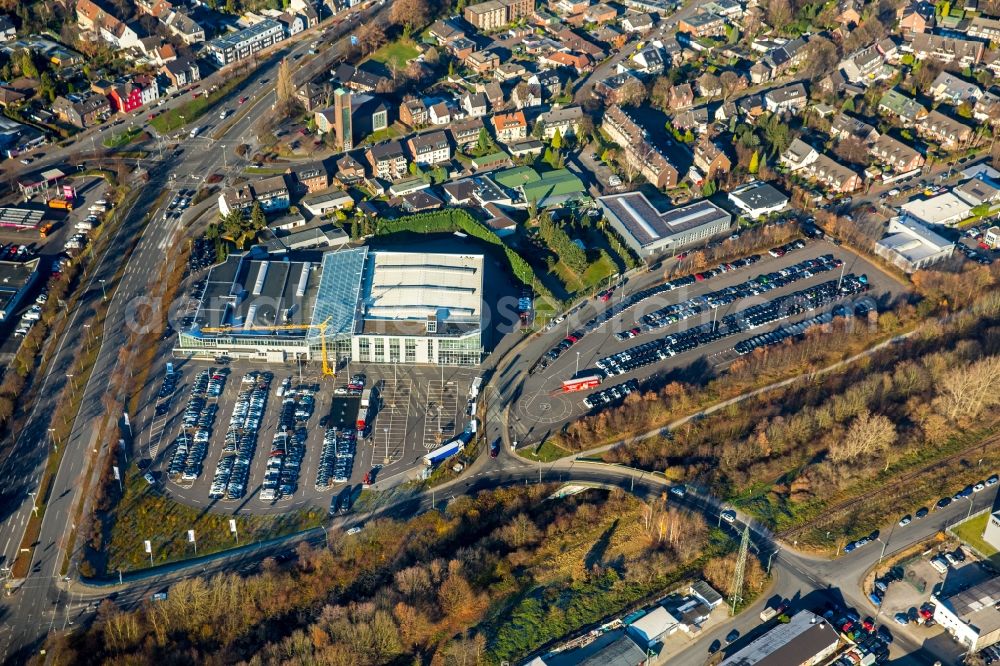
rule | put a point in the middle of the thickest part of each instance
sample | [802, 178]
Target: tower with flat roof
[343, 126]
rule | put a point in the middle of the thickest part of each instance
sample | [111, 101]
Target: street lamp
[52, 438]
[72, 385]
[104, 291]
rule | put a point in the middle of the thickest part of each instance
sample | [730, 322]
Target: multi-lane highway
[35, 608]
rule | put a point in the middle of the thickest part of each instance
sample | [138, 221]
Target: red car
[868, 624]
[495, 449]
[242, 99]
[699, 277]
[606, 295]
[984, 246]
[682, 255]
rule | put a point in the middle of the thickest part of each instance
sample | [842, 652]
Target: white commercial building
[805, 640]
[374, 307]
[971, 616]
[758, 199]
[991, 534]
[911, 246]
[650, 232]
[945, 208]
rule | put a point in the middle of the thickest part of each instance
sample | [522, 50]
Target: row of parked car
[233, 470]
[281, 476]
[758, 315]
[336, 460]
[198, 420]
[795, 330]
[761, 284]
[612, 394]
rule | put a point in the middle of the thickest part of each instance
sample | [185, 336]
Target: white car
[729, 516]
[354, 530]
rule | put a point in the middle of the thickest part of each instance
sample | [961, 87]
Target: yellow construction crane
[327, 370]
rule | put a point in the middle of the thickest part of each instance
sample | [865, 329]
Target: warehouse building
[971, 616]
[805, 640]
[651, 232]
[372, 307]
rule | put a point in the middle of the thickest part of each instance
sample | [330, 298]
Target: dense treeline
[482, 581]
[559, 242]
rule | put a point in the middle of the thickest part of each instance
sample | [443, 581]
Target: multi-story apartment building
[648, 159]
[388, 160]
[239, 45]
[430, 148]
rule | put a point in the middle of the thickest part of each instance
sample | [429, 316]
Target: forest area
[482, 581]
[920, 410]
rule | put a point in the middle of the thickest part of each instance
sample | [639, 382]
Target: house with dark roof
[430, 148]
[945, 130]
[388, 160]
[788, 99]
[895, 154]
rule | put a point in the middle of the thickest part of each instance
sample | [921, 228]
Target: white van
[195, 132]
[940, 564]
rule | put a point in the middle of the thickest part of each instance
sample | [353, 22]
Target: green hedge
[451, 220]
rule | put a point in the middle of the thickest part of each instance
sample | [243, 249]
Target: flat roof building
[650, 232]
[806, 639]
[16, 279]
[377, 307]
[910, 246]
[758, 199]
[971, 616]
[945, 208]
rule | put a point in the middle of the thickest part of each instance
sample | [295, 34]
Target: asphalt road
[39, 605]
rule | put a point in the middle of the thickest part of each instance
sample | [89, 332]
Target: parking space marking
[388, 434]
[441, 415]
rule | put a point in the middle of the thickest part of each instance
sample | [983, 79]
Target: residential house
[430, 148]
[494, 94]
[388, 160]
[572, 41]
[600, 13]
[758, 199]
[7, 30]
[953, 90]
[181, 72]
[977, 191]
[789, 99]
[526, 95]
[311, 177]
[349, 171]
[895, 104]
[483, 62]
[711, 159]
[90, 16]
[292, 23]
[81, 110]
[984, 27]
[509, 71]
[832, 175]
[439, 114]
[914, 17]
[130, 96]
[565, 120]
[709, 86]
[650, 162]
[579, 62]
[444, 32]
[848, 15]
[312, 96]
[895, 154]
[945, 130]
[182, 26]
[703, 25]
[466, 132]
[987, 108]
[799, 155]
[648, 60]
[844, 126]
[272, 194]
[681, 96]
[233, 199]
[611, 87]
[510, 127]
[474, 104]
[639, 23]
[359, 80]
[864, 66]
[414, 113]
[948, 50]
[462, 48]
[695, 119]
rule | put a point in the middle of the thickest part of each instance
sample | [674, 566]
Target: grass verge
[123, 139]
[546, 452]
[145, 513]
[971, 532]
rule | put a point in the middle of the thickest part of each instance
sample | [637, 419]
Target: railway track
[895, 483]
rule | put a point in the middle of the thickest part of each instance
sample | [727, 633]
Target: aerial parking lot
[238, 437]
[632, 335]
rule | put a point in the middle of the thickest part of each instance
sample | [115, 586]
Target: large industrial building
[805, 640]
[651, 232]
[16, 280]
[369, 306]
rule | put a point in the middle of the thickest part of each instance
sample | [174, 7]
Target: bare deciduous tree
[868, 434]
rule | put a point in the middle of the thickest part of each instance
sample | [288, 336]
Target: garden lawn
[971, 532]
[397, 53]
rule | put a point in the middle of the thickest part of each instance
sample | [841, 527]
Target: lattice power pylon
[741, 565]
